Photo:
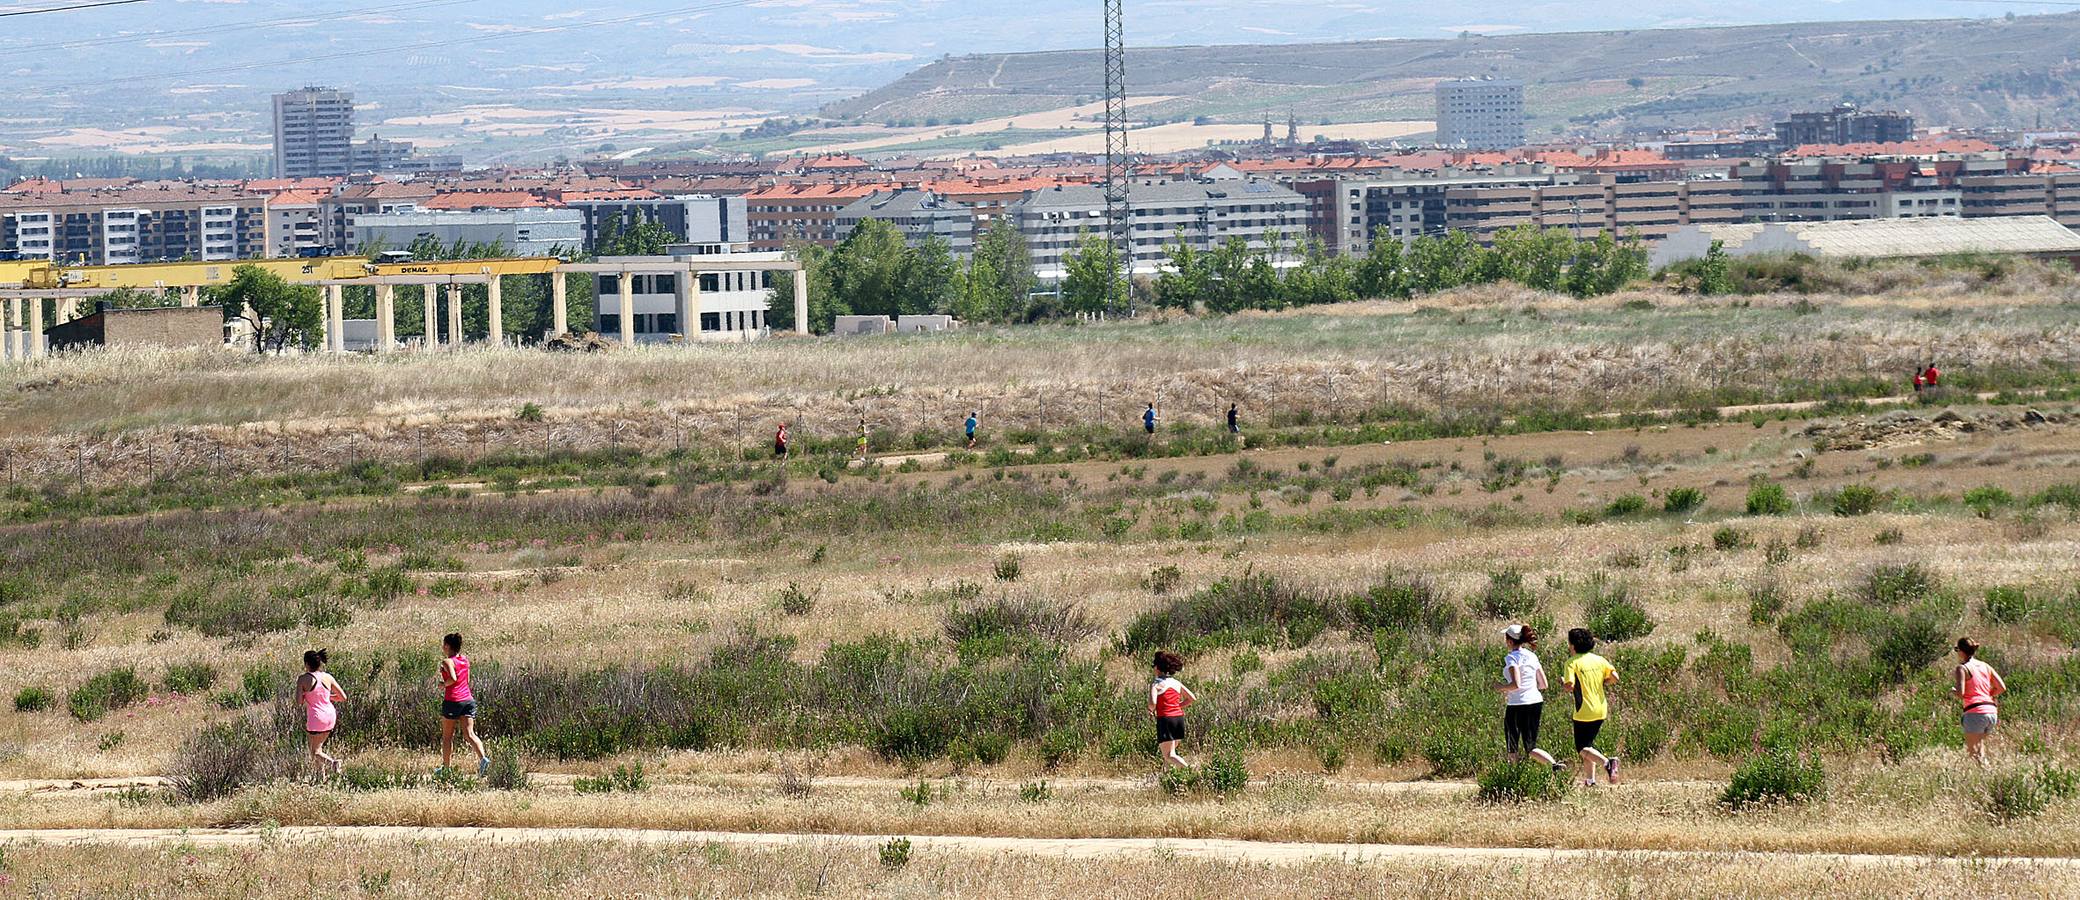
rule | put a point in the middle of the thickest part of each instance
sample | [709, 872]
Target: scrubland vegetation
[677, 634]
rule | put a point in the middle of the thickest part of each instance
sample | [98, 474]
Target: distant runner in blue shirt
[1234, 420]
[1148, 419]
[973, 418]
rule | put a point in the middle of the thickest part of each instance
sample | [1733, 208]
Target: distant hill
[1955, 72]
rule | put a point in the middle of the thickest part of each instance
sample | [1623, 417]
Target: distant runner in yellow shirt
[1588, 677]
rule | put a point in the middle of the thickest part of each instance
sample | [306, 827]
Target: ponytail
[314, 659]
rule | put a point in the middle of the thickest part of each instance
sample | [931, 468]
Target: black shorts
[458, 709]
[1585, 734]
[1169, 728]
[1520, 726]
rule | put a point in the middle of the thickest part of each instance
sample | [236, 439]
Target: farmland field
[704, 671]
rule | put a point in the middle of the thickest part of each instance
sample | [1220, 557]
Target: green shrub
[1612, 613]
[918, 795]
[1522, 781]
[1987, 500]
[1775, 776]
[2016, 794]
[1908, 646]
[624, 779]
[1899, 584]
[219, 760]
[1644, 739]
[1009, 567]
[1225, 774]
[1682, 500]
[1626, 505]
[1765, 601]
[1728, 539]
[1331, 756]
[1506, 597]
[1454, 752]
[794, 600]
[508, 772]
[2066, 495]
[1890, 537]
[1401, 602]
[110, 690]
[1178, 781]
[1767, 498]
[1857, 500]
[896, 853]
[1035, 792]
[2006, 605]
[190, 678]
[34, 698]
[1164, 579]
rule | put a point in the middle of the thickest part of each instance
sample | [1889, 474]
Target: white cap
[1514, 632]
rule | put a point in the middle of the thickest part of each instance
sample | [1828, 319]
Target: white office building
[728, 305]
[1480, 114]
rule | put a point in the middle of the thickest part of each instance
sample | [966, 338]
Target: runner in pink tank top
[320, 694]
[1978, 687]
[458, 704]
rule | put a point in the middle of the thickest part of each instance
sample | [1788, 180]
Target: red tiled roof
[488, 200]
[298, 198]
[278, 185]
[34, 186]
[1903, 148]
[813, 191]
[608, 196]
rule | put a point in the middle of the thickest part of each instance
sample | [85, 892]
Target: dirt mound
[1906, 427]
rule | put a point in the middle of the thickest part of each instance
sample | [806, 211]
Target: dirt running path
[1068, 848]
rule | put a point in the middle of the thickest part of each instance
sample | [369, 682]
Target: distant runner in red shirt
[1167, 700]
[1932, 377]
[780, 441]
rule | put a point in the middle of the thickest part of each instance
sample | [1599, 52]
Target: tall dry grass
[348, 867]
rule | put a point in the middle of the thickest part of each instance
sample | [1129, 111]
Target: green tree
[870, 270]
[279, 314]
[999, 282]
[1186, 279]
[1442, 263]
[1715, 272]
[1090, 278]
[1383, 274]
[823, 298]
[1531, 256]
[628, 234]
[932, 279]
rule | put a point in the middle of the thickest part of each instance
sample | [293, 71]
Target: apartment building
[338, 210]
[1845, 124]
[918, 215]
[1407, 205]
[2055, 194]
[525, 231]
[295, 224]
[784, 213]
[1652, 210]
[1480, 114]
[1204, 214]
[313, 133]
[695, 219]
[156, 223]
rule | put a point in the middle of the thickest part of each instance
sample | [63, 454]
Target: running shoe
[1610, 767]
[484, 766]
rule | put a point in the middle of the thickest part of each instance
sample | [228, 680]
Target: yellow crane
[36, 274]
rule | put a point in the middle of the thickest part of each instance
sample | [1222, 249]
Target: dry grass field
[790, 665]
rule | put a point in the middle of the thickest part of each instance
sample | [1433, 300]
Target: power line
[412, 48]
[250, 25]
[76, 6]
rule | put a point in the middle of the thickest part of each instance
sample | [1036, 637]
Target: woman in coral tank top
[1977, 687]
[458, 704]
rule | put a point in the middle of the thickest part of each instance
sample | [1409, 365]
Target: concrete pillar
[11, 328]
[627, 285]
[560, 302]
[684, 284]
[454, 315]
[68, 310]
[433, 322]
[335, 318]
[37, 344]
[495, 293]
[801, 301]
[386, 318]
[191, 296]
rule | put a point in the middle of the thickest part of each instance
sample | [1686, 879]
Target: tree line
[875, 272]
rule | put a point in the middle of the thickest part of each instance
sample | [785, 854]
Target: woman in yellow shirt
[1589, 678]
